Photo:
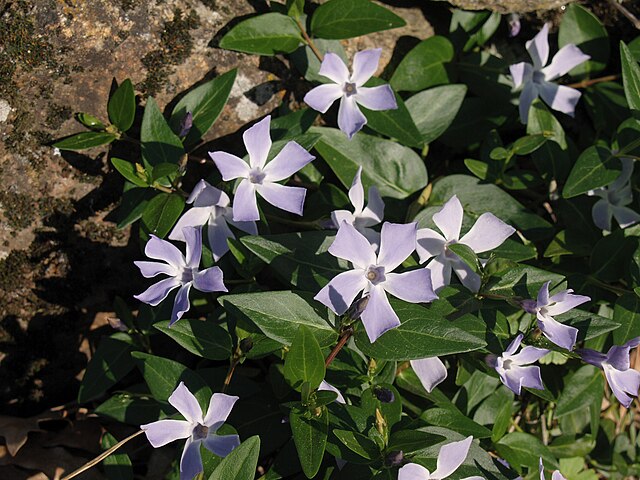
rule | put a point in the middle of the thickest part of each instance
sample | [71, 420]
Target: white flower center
[256, 176]
[186, 275]
[375, 274]
[350, 89]
[200, 432]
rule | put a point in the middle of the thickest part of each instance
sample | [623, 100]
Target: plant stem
[344, 338]
[309, 42]
[227, 380]
[101, 457]
[630, 16]
[593, 81]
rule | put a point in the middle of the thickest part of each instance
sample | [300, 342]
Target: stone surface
[509, 6]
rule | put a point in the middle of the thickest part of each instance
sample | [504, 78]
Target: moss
[176, 45]
[18, 209]
[57, 115]
[210, 4]
[12, 267]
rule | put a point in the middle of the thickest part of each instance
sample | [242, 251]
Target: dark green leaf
[584, 387]
[595, 167]
[358, 443]
[205, 339]
[455, 420]
[627, 313]
[267, 34]
[522, 280]
[133, 202]
[522, 449]
[630, 77]
[528, 144]
[162, 212]
[129, 171]
[610, 256]
[568, 446]
[582, 28]
[466, 254]
[310, 438]
[163, 170]
[552, 158]
[304, 361]
[241, 463]
[122, 106]
[424, 65]
[338, 19]
[435, 109]
[117, 466]
[84, 140]
[90, 121]
[159, 143]
[131, 409]
[295, 8]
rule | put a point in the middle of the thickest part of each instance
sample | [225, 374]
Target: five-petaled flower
[198, 430]
[262, 177]
[545, 308]
[350, 90]
[623, 380]
[614, 199]
[486, 234]
[514, 368]
[450, 457]
[362, 218]
[183, 272]
[556, 475]
[372, 273]
[537, 78]
[211, 206]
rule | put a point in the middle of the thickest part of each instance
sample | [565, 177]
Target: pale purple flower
[513, 21]
[262, 177]
[327, 387]
[514, 368]
[537, 78]
[186, 124]
[198, 430]
[614, 199]
[183, 272]
[545, 308]
[372, 274]
[211, 206]
[450, 457]
[430, 371]
[350, 90]
[486, 234]
[623, 380]
[362, 218]
[556, 475]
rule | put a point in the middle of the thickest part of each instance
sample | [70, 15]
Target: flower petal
[221, 445]
[592, 357]
[194, 217]
[377, 98]
[191, 461]
[181, 303]
[159, 249]
[601, 214]
[618, 355]
[193, 239]
[378, 316]
[334, 68]
[290, 199]
[431, 372]
[538, 47]
[218, 232]
[351, 245]
[350, 118]
[624, 384]
[564, 336]
[209, 280]
[625, 175]
[566, 59]
[543, 295]
[449, 219]
[245, 206]
[206, 195]
[257, 139]
[184, 401]
[413, 471]
[230, 166]
[451, 457]
[556, 475]
[322, 97]
[374, 213]
[356, 192]
[166, 431]
[365, 64]
[467, 276]
[158, 291]
[342, 290]
[517, 377]
[440, 269]
[220, 407]
[521, 73]
[249, 227]
[413, 286]
[559, 97]
[151, 269]
[529, 355]
[565, 301]
[397, 242]
[487, 233]
[287, 162]
[339, 216]
[625, 216]
[326, 386]
[513, 346]
[527, 96]
[429, 243]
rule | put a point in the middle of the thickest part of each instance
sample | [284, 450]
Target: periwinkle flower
[450, 457]
[350, 90]
[430, 371]
[545, 308]
[515, 369]
[537, 78]
[373, 274]
[186, 124]
[261, 177]
[614, 199]
[198, 430]
[513, 22]
[327, 387]
[362, 218]
[183, 272]
[211, 207]
[556, 475]
[623, 380]
[486, 234]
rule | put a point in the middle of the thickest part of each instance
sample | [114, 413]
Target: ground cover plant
[476, 317]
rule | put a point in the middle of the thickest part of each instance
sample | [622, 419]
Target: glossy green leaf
[159, 143]
[310, 438]
[627, 313]
[466, 254]
[528, 144]
[434, 110]
[610, 256]
[162, 212]
[304, 361]
[164, 170]
[358, 443]
[338, 19]
[241, 463]
[266, 34]
[584, 387]
[295, 8]
[129, 171]
[630, 77]
[552, 158]
[84, 140]
[117, 466]
[122, 106]
[521, 280]
[424, 65]
[90, 121]
[455, 420]
[132, 409]
[595, 167]
[524, 450]
[203, 338]
[582, 28]
[134, 201]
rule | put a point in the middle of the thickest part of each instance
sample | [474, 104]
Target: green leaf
[310, 438]
[358, 443]
[163, 170]
[295, 8]
[117, 466]
[552, 159]
[304, 361]
[134, 201]
[589, 325]
[467, 255]
[308, 64]
[110, 362]
[610, 256]
[627, 313]
[339, 19]
[84, 140]
[630, 77]
[434, 110]
[241, 463]
[159, 143]
[122, 106]
[206, 339]
[455, 420]
[584, 388]
[521, 280]
[522, 449]
[396, 170]
[130, 409]
[90, 121]
[582, 28]
[267, 34]
[205, 103]
[129, 171]
[423, 66]
[595, 167]
[278, 314]
[162, 212]
[528, 144]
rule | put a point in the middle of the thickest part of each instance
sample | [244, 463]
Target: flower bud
[384, 394]
[394, 459]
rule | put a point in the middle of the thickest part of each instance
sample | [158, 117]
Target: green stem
[308, 41]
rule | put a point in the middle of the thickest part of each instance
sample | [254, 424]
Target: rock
[509, 6]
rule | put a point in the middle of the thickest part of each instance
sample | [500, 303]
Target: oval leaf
[338, 19]
[84, 140]
[159, 143]
[241, 463]
[267, 34]
[122, 106]
[205, 339]
[423, 66]
[434, 110]
[304, 361]
[162, 212]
